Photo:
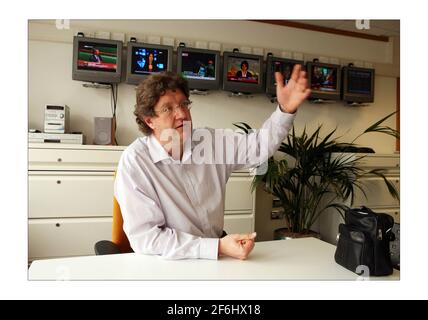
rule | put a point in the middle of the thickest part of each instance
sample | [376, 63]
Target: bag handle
[364, 208]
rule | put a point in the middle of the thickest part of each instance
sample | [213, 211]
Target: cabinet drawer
[70, 195]
[48, 238]
[69, 159]
[384, 162]
[238, 194]
[377, 193]
[239, 223]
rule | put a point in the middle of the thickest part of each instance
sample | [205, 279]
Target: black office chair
[119, 242]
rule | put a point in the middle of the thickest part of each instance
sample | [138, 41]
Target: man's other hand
[237, 245]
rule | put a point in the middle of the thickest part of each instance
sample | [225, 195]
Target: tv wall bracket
[241, 95]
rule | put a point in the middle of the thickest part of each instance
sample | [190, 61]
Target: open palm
[291, 96]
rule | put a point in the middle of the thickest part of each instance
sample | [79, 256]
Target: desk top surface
[297, 259]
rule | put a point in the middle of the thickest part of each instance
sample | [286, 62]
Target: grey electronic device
[138, 57]
[233, 78]
[57, 118]
[39, 137]
[97, 60]
[201, 67]
[104, 131]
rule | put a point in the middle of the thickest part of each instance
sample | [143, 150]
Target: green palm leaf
[316, 173]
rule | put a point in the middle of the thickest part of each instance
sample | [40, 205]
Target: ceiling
[386, 28]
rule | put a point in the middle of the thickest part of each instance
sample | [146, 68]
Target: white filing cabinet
[239, 204]
[377, 196]
[71, 194]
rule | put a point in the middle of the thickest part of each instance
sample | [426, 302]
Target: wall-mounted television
[358, 84]
[146, 59]
[97, 60]
[242, 72]
[324, 80]
[201, 67]
[274, 64]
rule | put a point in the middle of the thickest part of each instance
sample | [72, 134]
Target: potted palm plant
[316, 169]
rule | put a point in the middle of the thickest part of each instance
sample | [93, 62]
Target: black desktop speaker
[104, 131]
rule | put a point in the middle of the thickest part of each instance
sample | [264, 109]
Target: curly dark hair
[150, 90]
[244, 62]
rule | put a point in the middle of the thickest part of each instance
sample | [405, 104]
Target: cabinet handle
[58, 181]
[57, 225]
[59, 159]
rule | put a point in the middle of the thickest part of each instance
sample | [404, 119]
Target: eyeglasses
[168, 110]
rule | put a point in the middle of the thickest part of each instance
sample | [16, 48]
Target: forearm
[172, 244]
[263, 143]
[277, 127]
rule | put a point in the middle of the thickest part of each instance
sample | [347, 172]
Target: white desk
[299, 259]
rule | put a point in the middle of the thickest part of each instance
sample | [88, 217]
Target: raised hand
[291, 96]
[237, 245]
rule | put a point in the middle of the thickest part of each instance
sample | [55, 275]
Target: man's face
[165, 120]
[244, 67]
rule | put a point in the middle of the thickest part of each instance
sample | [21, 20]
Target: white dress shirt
[175, 208]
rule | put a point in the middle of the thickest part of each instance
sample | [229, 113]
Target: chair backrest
[118, 235]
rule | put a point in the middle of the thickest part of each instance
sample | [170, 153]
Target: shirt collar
[158, 153]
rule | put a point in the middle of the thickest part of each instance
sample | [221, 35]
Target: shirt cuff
[208, 248]
[282, 118]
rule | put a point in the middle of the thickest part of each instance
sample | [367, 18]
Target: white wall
[50, 57]
[50, 82]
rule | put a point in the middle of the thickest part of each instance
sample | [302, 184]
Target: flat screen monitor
[324, 80]
[358, 84]
[274, 64]
[243, 72]
[146, 59]
[97, 60]
[201, 67]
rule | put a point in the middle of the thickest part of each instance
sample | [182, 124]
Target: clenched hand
[237, 245]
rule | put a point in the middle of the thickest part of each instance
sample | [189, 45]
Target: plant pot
[285, 234]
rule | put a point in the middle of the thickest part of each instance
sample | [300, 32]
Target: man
[171, 205]
[95, 56]
[244, 73]
[210, 69]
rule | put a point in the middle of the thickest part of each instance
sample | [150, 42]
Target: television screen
[359, 81]
[97, 60]
[198, 65]
[243, 72]
[285, 66]
[146, 59]
[358, 84]
[97, 57]
[201, 67]
[324, 80]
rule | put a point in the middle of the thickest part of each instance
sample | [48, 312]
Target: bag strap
[390, 235]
